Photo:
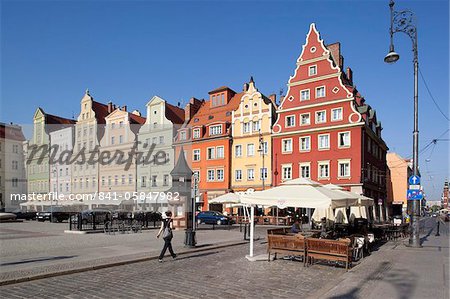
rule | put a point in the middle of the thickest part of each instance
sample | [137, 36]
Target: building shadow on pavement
[402, 281]
[26, 261]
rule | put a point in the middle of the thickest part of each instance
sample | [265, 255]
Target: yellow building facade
[251, 166]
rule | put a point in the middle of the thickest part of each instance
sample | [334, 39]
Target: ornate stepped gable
[328, 63]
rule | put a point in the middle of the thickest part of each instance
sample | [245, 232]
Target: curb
[110, 265]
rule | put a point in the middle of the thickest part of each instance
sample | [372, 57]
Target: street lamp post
[403, 21]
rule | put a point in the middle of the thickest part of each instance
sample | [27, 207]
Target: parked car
[25, 215]
[59, 215]
[213, 217]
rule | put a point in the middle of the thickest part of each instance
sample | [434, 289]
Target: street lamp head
[391, 57]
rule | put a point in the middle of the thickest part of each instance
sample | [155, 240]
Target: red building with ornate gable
[324, 129]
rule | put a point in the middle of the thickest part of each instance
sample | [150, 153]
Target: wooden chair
[330, 250]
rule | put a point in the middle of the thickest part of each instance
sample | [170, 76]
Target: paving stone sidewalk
[398, 271]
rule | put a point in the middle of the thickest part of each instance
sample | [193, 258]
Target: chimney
[110, 107]
[273, 98]
[124, 108]
[350, 75]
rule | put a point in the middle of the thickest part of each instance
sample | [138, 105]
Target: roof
[174, 114]
[136, 119]
[11, 132]
[219, 113]
[101, 111]
[56, 120]
[222, 88]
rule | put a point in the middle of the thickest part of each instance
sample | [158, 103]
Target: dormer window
[196, 133]
[183, 135]
[215, 130]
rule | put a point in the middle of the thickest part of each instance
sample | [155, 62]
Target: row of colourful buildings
[234, 140]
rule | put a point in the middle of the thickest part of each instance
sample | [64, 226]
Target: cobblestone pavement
[223, 273]
[34, 248]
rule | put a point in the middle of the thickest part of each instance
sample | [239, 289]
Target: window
[238, 151]
[265, 148]
[238, 175]
[112, 140]
[120, 139]
[143, 181]
[324, 141]
[211, 153]
[154, 177]
[109, 180]
[219, 152]
[215, 130]
[247, 127]
[250, 149]
[182, 135]
[210, 174]
[320, 92]
[250, 174]
[166, 180]
[290, 121]
[103, 181]
[15, 182]
[286, 145]
[263, 173]
[336, 114]
[155, 140]
[305, 119]
[219, 174]
[305, 170]
[123, 179]
[305, 143]
[67, 187]
[344, 139]
[113, 125]
[321, 116]
[196, 155]
[116, 180]
[196, 133]
[161, 139]
[120, 124]
[286, 172]
[344, 168]
[304, 95]
[256, 126]
[324, 170]
[312, 70]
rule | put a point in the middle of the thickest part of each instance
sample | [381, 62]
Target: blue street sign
[414, 195]
[414, 180]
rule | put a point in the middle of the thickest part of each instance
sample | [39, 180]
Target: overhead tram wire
[431, 96]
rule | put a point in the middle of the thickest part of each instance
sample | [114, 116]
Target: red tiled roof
[11, 132]
[136, 119]
[56, 120]
[219, 113]
[219, 89]
[174, 114]
[101, 111]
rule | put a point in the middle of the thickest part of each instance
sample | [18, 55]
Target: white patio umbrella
[358, 211]
[227, 198]
[300, 193]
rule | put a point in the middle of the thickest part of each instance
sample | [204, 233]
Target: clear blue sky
[128, 51]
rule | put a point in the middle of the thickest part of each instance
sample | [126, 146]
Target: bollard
[93, 221]
[437, 232]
